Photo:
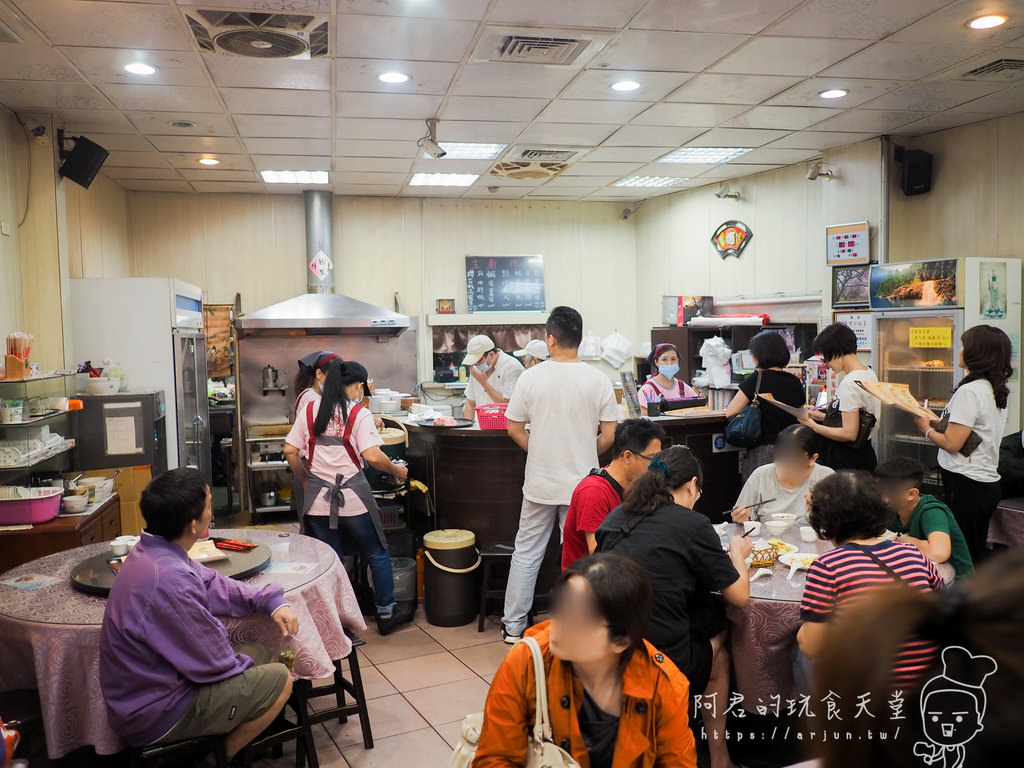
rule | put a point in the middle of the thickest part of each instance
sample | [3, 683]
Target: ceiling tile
[949, 25]
[788, 55]
[372, 164]
[277, 101]
[730, 171]
[366, 190]
[281, 146]
[110, 25]
[384, 37]
[941, 122]
[819, 140]
[566, 13]
[865, 120]
[356, 177]
[627, 154]
[291, 163]
[161, 98]
[601, 169]
[495, 109]
[229, 187]
[859, 91]
[136, 159]
[386, 105]
[430, 165]
[148, 185]
[666, 51]
[596, 84]
[864, 19]
[736, 137]
[508, 79]
[106, 65]
[732, 89]
[20, 95]
[208, 144]
[652, 136]
[736, 16]
[469, 130]
[34, 62]
[933, 97]
[94, 120]
[572, 134]
[767, 156]
[307, 6]
[371, 148]
[911, 61]
[241, 72]
[286, 127]
[389, 130]
[206, 174]
[561, 193]
[185, 160]
[697, 115]
[431, 77]
[207, 124]
[791, 118]
[119, 172]
[565, 180]
[443, 9]
[680, 170]
[1002, 102]
[126, 142]
[586, 111]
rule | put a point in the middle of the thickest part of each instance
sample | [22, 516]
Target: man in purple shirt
[168, 670]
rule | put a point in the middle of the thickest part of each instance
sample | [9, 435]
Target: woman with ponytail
[339, 438]
[683, 557]
[977, 409]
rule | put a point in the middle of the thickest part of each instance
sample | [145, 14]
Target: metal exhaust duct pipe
[319, 241]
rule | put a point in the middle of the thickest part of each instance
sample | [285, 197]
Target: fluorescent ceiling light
[625, 85]
[209, 161]
[987, 22]
[139, 68]
[649, 181]
[296, 177]
[704, 155]
[833, 93]
[443, 179]
[466, 150]
[393, 77]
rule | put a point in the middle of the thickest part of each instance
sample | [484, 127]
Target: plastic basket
[42, 505]
[492, 416]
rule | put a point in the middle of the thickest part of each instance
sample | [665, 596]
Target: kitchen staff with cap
[493, 374]
[663, 384]
[535, 351]
[309, 381]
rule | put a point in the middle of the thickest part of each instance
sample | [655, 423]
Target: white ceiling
[738, 73]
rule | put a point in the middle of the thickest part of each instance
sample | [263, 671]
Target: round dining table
[50, 632]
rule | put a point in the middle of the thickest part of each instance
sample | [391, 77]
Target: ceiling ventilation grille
[998, 71]
[572, 48]
[260, 35]
[531, 49]
[525, 170]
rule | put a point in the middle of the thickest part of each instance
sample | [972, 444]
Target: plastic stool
[495, 561]
[155, 754]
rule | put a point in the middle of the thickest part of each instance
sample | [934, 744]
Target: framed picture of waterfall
[914, 285]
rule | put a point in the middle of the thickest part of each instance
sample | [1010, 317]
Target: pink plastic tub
[42, 505]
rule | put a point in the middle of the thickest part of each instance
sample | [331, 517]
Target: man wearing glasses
[636, 441]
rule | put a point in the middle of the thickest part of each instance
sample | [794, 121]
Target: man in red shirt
[636, 441]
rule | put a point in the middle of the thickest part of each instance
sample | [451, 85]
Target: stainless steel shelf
[266, 466]
[275, 508]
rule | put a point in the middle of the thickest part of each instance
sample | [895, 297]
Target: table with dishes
[1007, 525]
[50, 631]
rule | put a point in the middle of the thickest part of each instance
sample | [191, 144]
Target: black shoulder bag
[744, 430]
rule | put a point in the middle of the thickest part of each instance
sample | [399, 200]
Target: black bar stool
[496, 558]
[155, 754]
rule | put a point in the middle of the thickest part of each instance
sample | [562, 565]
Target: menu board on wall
[505, 283]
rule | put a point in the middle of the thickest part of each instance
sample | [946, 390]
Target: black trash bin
[451, 564]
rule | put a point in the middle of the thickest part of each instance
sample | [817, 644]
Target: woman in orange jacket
[614, 700]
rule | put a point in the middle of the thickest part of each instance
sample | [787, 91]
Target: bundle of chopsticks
[19, 344]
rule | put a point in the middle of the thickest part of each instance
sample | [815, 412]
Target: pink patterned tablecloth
[1007, 524]
[49, 636]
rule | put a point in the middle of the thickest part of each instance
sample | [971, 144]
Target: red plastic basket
[492, 416]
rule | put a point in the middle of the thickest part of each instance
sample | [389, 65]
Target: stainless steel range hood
[320, 313]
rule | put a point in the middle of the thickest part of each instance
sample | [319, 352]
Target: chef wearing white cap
[493, 374]
[535, 351]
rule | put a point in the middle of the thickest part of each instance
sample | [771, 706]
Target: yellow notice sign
[941, 338]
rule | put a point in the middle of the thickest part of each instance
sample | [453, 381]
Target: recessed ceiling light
[181, 124]
[625, 85]
[987, 22]
[139, 68]
[703, 155]
[649, 181]
[442, 179]
[467, 150]
[833, 93]
[393, 77]
[296, 177]
[209, 161]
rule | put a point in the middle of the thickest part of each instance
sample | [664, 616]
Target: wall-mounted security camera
[815, 171]
[39, 136]
[725, 192]
[626, 213]
[429, 142]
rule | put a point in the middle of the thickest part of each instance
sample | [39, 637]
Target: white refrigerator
[153, 328]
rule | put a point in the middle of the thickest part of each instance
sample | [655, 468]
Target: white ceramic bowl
[776, 527]
[75, 503]
[784, 517]
[102, 386]
[753, 526]
[808, 534]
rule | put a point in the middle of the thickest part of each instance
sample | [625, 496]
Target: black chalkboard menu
[505, 283]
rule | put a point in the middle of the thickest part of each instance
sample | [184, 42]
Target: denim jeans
[535, 521]
[360, 530]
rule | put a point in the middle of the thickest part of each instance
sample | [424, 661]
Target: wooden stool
[279, 732]
[495, 559]
[154, 754]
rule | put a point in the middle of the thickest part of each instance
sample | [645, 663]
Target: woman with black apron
[340, 438]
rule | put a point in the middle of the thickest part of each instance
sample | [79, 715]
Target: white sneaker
[509, 638]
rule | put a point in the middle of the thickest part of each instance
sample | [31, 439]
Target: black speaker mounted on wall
[83, 161]
[916, 176]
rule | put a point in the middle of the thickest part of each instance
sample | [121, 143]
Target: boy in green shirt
[921, 519]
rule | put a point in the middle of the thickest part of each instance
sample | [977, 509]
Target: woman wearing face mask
[338, 436]
[787, 480]
[613, 698]
[663, 384]
[309, 381]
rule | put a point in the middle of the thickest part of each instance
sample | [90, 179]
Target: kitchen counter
[475, 477]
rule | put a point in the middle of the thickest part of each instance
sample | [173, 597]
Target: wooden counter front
[61, 533]
[475, 477]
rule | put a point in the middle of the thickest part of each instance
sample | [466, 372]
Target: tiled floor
[421, 680]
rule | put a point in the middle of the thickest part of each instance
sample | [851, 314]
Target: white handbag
[541, 751]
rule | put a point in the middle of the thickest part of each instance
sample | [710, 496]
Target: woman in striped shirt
[847, 509]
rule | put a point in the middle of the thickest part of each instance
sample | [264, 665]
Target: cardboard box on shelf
[129, 486]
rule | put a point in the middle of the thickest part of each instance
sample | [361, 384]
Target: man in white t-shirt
[492, 374]
[572, 413]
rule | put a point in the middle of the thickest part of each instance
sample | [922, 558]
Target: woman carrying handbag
[612, 699]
